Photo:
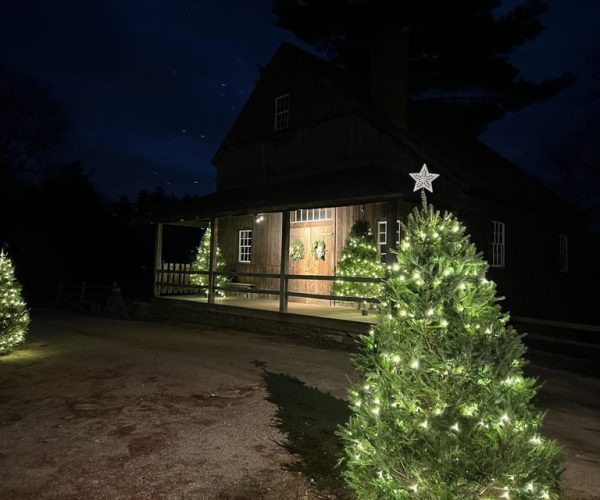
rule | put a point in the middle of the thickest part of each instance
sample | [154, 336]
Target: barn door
[308, 233]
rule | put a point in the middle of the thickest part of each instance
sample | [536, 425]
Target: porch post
[158, 260]
[212, 264]
[392, 227]
[285, 261]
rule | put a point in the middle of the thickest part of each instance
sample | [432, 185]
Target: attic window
[282, 112]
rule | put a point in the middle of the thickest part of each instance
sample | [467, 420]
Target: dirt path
[98, 408]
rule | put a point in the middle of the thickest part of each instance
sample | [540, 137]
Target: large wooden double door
[308, 233]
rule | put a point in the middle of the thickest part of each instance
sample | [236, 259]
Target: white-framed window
[497, 244]
[245, 246]
[310, 214]
[282, 112]
[382, 237]
[563, 253]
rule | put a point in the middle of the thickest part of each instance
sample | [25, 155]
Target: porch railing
[174, 279]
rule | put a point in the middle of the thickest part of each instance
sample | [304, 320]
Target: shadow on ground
[310, 418]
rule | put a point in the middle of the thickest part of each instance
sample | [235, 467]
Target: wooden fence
[95, 297]
[174, 279]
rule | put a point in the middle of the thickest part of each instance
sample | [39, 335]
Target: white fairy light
[537, 440]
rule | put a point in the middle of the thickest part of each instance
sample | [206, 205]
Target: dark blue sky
[151, 87]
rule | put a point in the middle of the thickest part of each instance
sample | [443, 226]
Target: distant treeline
[60, 229]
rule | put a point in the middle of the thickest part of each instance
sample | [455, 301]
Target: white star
[423, 179]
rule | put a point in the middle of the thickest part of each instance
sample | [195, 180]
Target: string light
[537, 440]
[463, 378]
[14, 318]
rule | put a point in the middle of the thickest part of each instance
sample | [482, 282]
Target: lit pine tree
[14, 318]
[360, 258]
[202, 263]
[443, 410]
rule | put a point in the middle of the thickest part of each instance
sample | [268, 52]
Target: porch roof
[364, 184]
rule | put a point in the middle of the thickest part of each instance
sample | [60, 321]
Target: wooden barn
[310, 153]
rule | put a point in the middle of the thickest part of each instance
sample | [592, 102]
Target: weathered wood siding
[333, 144]
[266, 247]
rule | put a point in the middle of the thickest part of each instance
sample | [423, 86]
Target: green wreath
[319, 250]
[297, 249]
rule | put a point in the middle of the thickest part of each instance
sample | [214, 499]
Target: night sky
[151, 87]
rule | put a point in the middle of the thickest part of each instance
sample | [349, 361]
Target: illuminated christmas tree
[14, 318]
[202, 262]
[443, 410]
[360, 258]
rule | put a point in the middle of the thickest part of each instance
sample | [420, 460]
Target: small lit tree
[360, 258]
[443, 410]
[14, 318]
[202, 263]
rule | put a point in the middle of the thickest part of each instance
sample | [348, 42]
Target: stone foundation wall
[321, 330]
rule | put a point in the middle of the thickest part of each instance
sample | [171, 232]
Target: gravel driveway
[102, 408]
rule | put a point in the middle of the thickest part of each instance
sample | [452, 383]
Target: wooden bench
[236, 287]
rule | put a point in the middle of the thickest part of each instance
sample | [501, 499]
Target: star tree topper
[423, 179]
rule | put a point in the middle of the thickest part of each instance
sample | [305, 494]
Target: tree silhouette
[458, 67]
[31, 124]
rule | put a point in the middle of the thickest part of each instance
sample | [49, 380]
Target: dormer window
[282, 112]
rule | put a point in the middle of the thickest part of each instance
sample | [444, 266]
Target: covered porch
[256, 233]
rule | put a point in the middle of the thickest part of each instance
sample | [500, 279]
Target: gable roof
[322, 74]
[473, 166]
